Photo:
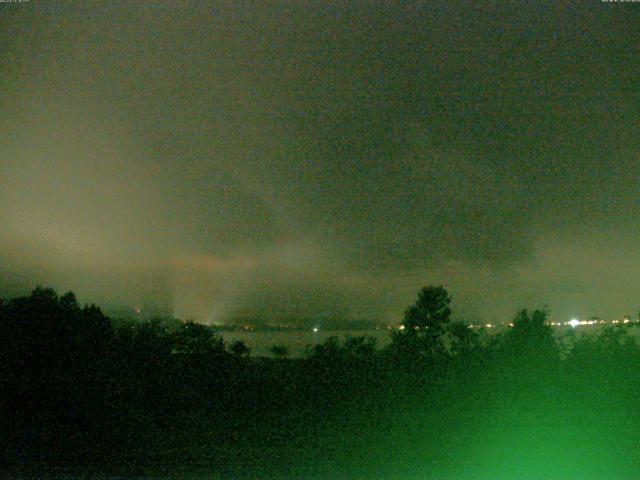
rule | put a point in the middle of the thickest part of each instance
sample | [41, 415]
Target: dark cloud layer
[317, 158]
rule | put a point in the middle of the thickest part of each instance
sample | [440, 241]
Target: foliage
[193, 337]
[464, 341]
[531, 335]
[430, 312]
[239, 349]
[350, 348]
[279, 351]
[424, 326]
[78, 392]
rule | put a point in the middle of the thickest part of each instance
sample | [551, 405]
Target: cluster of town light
[574, 322]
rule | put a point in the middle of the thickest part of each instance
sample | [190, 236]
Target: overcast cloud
[302, 159]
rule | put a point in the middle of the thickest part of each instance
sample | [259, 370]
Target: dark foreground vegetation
[82, 395]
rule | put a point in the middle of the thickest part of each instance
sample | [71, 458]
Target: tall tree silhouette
[430, 311]
[193, 337]
[424, 323]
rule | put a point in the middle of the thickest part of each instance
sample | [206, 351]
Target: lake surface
[297, 341]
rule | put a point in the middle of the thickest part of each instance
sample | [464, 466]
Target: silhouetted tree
[75, 391]
[240, 349]
[279, 351]
[530, 343]
[359, 347]
[348, 349]
[151, 339]
[530, 331]
[69, 302]
[464, 341]
[330, 349]
[424, 324]
[193, 337]
[430, 312]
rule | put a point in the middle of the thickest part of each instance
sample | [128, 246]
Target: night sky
[295, 159]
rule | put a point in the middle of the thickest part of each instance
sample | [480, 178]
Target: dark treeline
[83, 394]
